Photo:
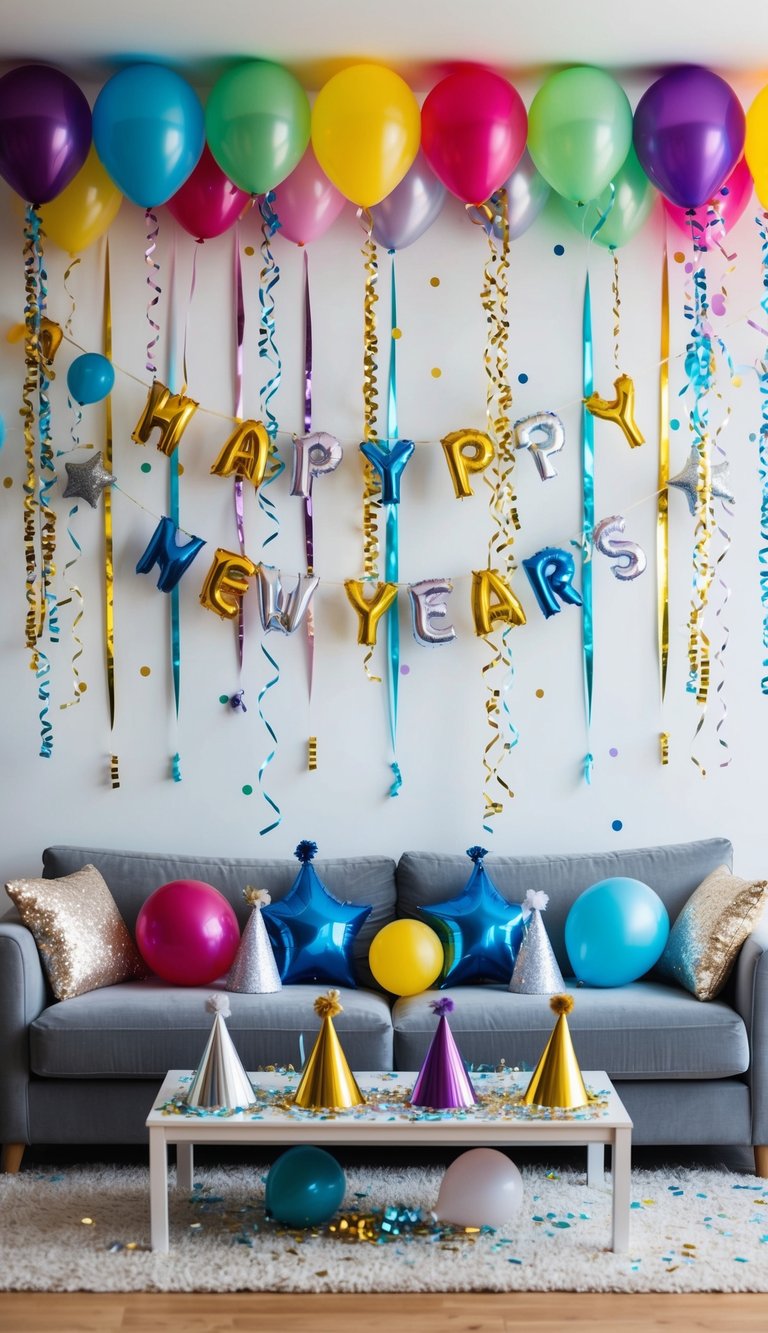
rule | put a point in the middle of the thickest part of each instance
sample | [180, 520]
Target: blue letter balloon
[90, 378]
[615, 932]
[304, 1187]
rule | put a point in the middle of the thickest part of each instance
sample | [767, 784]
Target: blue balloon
[90, 378]
[615, 932]
[149, 132]
[304, 1187]
[480, 931]
[311, 932]
[389, 459]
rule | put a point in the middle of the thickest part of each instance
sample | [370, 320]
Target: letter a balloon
[365, 131]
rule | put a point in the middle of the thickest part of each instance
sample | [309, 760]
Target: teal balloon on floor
[304, 1187]
[615, 932]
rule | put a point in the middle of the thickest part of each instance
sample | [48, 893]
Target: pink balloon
[306, 202]
[187, 933]
[208, 203]
[728, 203]
[473, 130]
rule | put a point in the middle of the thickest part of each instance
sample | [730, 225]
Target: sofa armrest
[751, 1002]
[22, 998]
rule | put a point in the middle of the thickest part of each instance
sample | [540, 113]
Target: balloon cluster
[370, 144]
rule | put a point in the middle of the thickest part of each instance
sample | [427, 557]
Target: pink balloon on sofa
[728, 203]
[187, 933]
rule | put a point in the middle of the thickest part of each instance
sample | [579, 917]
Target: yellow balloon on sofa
[406, 957]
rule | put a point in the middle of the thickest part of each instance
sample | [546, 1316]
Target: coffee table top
[387, 1111]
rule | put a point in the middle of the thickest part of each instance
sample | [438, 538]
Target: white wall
[443, 731]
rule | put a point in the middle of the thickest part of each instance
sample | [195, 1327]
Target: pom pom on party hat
[557, 1080]
[220, 1079]
[536, 970]
[328, 1081]
[254, 971]
[443, 1082]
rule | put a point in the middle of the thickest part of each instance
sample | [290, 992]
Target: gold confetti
[435, 372]
[145, 671]
[249, 250]
[434, 282]
[397, 333]
[87, 1221]
[7, 482]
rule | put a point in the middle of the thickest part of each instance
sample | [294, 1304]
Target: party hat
[443, 1082]
[327, 1080]
[556, 1080]
[254, 970]
[536, 971]
[220, 1079]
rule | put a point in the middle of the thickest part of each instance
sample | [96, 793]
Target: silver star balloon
[687, 481]
[86, 481]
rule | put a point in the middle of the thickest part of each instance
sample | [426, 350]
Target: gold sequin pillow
[82, 938]
[705, 940]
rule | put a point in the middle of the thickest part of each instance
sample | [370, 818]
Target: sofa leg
[12, 1153]
[761, 1160]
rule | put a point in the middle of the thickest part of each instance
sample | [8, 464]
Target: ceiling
[419, 38]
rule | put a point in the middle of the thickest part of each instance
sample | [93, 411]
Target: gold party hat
[328, 1081]
[556, 1080]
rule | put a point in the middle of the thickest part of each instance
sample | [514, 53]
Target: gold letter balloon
[169, 412]
[369, 612]
[492, 600]
[226, 582]
[244, 453]
[461, 463]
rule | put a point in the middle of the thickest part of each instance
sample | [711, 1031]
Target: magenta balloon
[208, 203]
[410, 209]
[187, 933]
[45, 131]
[473, 129]
[689, 131]
[306, 202]
[728, 204]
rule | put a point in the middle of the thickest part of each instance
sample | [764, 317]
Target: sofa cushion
[143, 1029]
[132, 876]
[673, 871]
[646, 1030]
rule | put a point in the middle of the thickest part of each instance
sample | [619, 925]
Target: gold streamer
[371, 486]
[664, 747]
[114, 771]
[109, 570]
[78, 687]
[616, 294]
[35, 604]
[662, 508]
[312, 753]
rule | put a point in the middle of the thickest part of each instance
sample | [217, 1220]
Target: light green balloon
[579, 131]
[257, 123]
[634, 197]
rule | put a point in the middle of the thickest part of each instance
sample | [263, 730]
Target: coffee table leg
[158, 1190]
[622, 1168]
[185, 1166]
[595, 1164]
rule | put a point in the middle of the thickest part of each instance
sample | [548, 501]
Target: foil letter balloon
[542, 435]
[492, 600]
[620, 409]
[427, 606]
[369, 612]
[551, 573]
[631, 557]
[244, 453]
[226, 582]
[164, 550]
[169, 412]
[390, 462]
[314, 456]
[466, 451]
[281, 610]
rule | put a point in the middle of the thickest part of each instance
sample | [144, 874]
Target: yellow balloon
[406, 957]
[366, 128]
[756, 144]
[84, 210]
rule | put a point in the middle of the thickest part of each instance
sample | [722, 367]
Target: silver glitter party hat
[220, 1079]
[254, 971]
[536, 970]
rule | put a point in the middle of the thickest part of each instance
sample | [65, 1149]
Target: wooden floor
[454, 1313]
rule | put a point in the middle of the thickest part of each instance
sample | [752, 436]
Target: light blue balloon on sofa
[615, 932]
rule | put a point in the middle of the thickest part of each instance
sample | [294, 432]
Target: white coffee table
[388, 1120]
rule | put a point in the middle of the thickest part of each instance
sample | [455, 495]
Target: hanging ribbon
[588, 514]
[392, 550]
[662, 503]
[109, 567]
[762, 461]
[174, 507]
[74, 593]
[309, 529]
[33, 623]
[238, 496]
[46, 463]
[370, 403]
[153, 228]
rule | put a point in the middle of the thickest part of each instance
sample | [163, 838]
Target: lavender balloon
[527, 193]
[410, 209]
[45, 131]
[689, 134]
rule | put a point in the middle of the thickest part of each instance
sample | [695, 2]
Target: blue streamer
[42, 675]
[270, 730]
[763, 456]
[588, 503]
[47, 515]
[174, 511]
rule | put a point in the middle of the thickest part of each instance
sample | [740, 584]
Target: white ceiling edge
[421, 39]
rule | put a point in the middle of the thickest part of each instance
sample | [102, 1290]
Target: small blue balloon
[615, 932]
[148, 131]
[90, 378]
[304, 1187]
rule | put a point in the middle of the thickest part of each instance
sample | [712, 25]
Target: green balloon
[257, 123]
[579, 131]
[634, 197]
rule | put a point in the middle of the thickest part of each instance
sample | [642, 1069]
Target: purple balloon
[410, 209]
[689, 134]
[45, 131]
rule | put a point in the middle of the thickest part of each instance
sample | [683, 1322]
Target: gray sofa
[86, 1070]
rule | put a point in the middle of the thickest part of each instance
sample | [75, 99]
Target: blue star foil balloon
[312, 933]
[480, 931]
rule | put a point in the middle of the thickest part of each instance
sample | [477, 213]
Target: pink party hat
[443, 1082]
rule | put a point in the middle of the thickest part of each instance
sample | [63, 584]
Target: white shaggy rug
[87, 1228]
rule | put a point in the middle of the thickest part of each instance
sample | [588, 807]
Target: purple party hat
[443, 1082]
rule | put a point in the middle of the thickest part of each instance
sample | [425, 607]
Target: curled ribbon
[74, 593]
[47, 514]
[309, 525]
[33, 624]
[762, 226]
[237, 495]
[662, 503]
[153, 228]
[370, 402]
[275, 680]
[588, 506]
[109, 566]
